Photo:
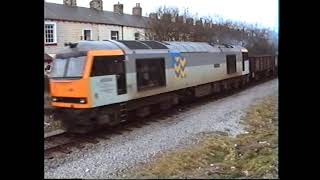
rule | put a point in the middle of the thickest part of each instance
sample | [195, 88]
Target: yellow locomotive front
[72, 76]
[72, 87]
[69, 80]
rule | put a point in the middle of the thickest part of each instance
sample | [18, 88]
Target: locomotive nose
[70, 93]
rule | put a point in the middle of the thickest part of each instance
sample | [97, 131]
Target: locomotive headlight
[69, 100]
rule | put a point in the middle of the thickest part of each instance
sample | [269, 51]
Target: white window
[50, 33]
[86, 34]
[136, 36]
[114, 35]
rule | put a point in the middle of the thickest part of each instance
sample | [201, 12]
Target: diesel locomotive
[94, 83]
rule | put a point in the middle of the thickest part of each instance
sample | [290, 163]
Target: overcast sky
[263, 12]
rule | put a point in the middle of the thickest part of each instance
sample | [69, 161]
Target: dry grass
[250, 155]
[52, 125]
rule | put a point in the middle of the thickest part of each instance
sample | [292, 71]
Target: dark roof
[174, 46]
[81, 14]
[143, 44]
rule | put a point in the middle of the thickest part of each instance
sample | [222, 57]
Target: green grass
[250, 155]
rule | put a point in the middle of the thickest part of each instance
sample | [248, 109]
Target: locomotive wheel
[78, 126]
[187, 96]
[155, 108]
[81, 129]
[165, 105]
[143, 111]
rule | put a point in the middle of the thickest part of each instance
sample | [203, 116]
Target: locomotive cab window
[111, 65]
[150, 73]
[245, 57]
[231, 64]
[107, 65]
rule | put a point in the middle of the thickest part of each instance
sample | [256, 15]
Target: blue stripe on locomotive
[173, 55]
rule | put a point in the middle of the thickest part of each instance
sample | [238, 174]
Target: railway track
[64, 143]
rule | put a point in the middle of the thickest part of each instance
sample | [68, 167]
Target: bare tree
[166, 24]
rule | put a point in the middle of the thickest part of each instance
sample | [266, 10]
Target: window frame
[54, 32]
[66, 69]
[162, 81]
[83, 35]
[117, 35]
[106, 62]
[135, 37]
[228, 63]
[243, 60]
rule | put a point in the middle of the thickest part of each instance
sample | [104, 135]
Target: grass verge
[253, 154]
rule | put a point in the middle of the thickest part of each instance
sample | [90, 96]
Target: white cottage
[67, 22]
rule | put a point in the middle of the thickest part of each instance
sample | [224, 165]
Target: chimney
[153, 16]
[118, 8]
[70, 2]
[137, 11]
[96, 4]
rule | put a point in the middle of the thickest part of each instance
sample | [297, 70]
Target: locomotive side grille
[134, 44]
[155, 45]
[143, 44]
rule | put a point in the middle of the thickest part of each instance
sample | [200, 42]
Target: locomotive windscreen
[68, 68]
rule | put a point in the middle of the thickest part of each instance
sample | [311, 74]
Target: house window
[136, 36]
[86, 34]
[114, 35]
[216, 65]
[50, 34]
[231, 64]
[150, 73]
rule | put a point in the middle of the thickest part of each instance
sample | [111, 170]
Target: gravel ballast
[110, 157]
